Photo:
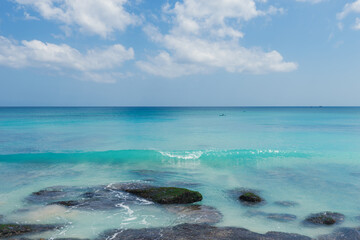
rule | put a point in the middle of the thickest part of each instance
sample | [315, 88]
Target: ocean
[309, 156]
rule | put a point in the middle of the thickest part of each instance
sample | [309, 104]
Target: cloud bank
[205, 36]
[61, 57]
[90, 16]
[349, 8]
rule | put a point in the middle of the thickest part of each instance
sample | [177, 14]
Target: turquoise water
[307, 155]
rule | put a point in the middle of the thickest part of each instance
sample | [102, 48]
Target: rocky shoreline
[179, 232]
[199, 219]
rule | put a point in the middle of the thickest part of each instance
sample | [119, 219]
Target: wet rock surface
[10, 230]
[45, 238]
[325, 218]
[250, 197]
[198, 232]
[167, 195]
[89, 198]
[196, 213]
[110, 196]
[342, 234]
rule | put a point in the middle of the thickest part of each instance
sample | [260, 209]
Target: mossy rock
[250, 197]
[325, 218]
[167, 195]
[10, 230]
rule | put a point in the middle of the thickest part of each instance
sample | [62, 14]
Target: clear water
[307, 155]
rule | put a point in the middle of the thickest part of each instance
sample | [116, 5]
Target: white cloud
[205, 35]
[91, 16]
[349, 8]
[59, 57]
[357, 24]
[353, 7]
[29, 17]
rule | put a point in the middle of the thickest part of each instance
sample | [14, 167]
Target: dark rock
[198, 232]
[10, 230]
[167, 195]
[195, 213]
[280, 217]
[256, 213]
[342, 234]
[325, 218]
[45, 238]
[128, 186]
[88, 195]
[149, 180]
[70, 203]
[250, 197]
[48, 192]
[112, 196]
[286, 203]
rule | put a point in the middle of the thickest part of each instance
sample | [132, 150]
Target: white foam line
[186, 156]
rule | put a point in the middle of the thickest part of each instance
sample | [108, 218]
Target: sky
[179, 52]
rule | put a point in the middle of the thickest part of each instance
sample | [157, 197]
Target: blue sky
[179, 53]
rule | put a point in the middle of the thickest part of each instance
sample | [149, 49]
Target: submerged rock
[70, 203]
[87, 198]
[247, 196]
[10, 230]
[250, 197]
[342, 234]
[58, 193]
[112, 196]
[167, 195]
[196, 213]
[286, 203]
[198, 232]
[280, 217]
[325, 218]
[55, 238]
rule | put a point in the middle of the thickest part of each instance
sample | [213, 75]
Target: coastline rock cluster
[252, 198]
[198, 232]
[195, 220]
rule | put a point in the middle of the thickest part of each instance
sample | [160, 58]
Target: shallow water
[307, 155]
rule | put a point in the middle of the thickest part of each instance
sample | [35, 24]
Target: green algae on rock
[325, 218]
[250, 197]
[10, 230]
[167, 195]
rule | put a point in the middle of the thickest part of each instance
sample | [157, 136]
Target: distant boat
[222, 115]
